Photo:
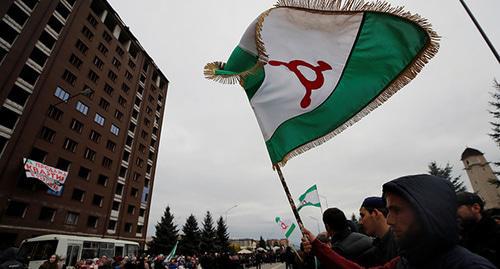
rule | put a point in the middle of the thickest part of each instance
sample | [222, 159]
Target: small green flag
[286, 228]
[309, 198]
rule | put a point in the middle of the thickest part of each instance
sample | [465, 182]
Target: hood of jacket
[435, 204]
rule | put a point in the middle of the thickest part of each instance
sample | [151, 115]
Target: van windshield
[37, 250]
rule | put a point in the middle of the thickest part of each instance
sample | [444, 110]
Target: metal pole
[290, 199]
[492, 48]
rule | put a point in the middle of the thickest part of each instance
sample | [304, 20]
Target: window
[8, 118]
[76, 126]
[93, 76]
[131, 127]
[30, 75]
[30, 3]
[63, 10]
[104, 104]
[112, 75]
[142, 148]
[146, 183]
[106, 36]
[18, 95]
[97, 200]
[130, 209]
[139, 229]
[106, 162]
[84, 173]
[78, 195]
[131, 64]
[87, 33]
[102, 180]
[38, 155]
[147, 122]
[142, 212]
[151, 155]
[99, 119]
[134, 192]
[115, 130]
[92, 20]
[148, 169]
[17, 15]
[38, 56]
[16, 209]
[47, 40]
[98, 62]
[118, 115]
[116, 63]
[128, 76]
[138, 101]
[84, 109]
[155, 130]
[92, 222]
[125, 88]
[95, 136]
[144, 134]
[119, 51]
[128, 227]
[70, 145]
[63, 164]
[108, 89]
[72, 218]
[137, 176]
[111, 145]
[115, 206]
[47, 214]
[69, 77]
[119, 189]
[126, 156]
[112, 225]
[7, 33]
[149, 110]
[55, 24]
[142, 78]
[122, 101]
[75, 61]
[123, 172]
[47, 134]
[89, 154]
[135, 114]
[54, 113]
[129, 141]
[81, 46]
[139, 162]
[102, 49]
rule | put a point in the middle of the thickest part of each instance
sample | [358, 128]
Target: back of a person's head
[469, 198]
[335, 219]
[372, 203]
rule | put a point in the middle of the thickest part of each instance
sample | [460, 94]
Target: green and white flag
[309, 198]
[172, 253]
[287, 227]
[312, 68]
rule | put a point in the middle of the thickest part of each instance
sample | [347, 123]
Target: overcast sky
[212, 155]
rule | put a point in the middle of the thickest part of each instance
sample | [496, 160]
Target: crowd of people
[419, 222]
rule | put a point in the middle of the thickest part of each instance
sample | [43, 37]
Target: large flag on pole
[172, 252]
[309, 198]
[312, 68]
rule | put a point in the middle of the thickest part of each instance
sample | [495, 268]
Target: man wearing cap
[479, 232]
[422, 215]
[373, 219]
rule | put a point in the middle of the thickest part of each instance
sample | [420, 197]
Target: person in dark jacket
[373, 219]
[51, 263]
[422, 214]
[479, 232]
[9, 259]
[349, 244]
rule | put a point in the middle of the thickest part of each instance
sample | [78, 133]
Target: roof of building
[469, 152]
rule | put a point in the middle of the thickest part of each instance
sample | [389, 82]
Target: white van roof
[79, 238]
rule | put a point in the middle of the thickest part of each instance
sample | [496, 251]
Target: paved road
[271, 266]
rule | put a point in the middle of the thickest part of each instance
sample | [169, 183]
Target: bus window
[106, 249]
[44, 249]
[26, 251]
[72, 254]
[90, 250]
[119, 251]
[131, 250]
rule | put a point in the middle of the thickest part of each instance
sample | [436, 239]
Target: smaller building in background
[481, 176]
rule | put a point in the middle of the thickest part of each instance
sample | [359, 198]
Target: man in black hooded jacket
[422, 214]
[9, 259]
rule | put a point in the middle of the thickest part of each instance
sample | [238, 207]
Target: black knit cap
[374, 202]
[469, 198]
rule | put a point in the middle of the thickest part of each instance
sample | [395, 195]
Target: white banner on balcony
[52, 177]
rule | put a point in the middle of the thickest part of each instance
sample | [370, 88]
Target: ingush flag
[312, 68]
[309, 198]
[286, 227]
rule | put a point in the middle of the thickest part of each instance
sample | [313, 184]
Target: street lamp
[317, 222]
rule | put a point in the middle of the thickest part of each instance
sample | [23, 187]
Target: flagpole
[483, 34]
[290, 199]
